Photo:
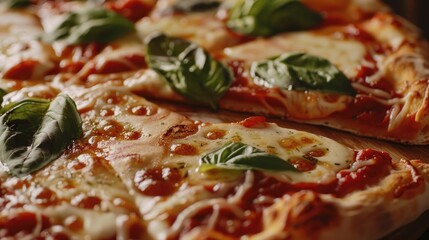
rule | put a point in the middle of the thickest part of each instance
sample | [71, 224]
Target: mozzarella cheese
[296, 144]
[19, 32]
[347, 55]
[205, 29]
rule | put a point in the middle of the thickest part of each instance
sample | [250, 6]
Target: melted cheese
[127, 157]
[269, 139]
[19, 32]
[310, 105]
[70, 180]
[345, 54]
[205, 29]
[119, 52]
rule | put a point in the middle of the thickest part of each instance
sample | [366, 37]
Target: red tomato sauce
[158, 181]
[269, 188]
[22, 71]
[133, 10]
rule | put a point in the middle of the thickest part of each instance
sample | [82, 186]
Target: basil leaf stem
[240, 156]
[266, 18]
[188, 69]
[300, 71]
[34, 132]
[91, 25]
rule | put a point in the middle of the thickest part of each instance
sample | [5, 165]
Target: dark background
[417, 11]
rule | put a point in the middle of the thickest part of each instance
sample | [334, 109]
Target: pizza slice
[367, 76]
[139, 171]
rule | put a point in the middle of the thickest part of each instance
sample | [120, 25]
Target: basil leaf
[266, 18]
[91, 25]
[300, 71]
[240, 156]
[188, 69]
[18, 3]
[34, 132]
[187, 6]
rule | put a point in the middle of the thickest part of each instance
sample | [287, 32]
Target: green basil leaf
[188, 6]
[34, 132]
[266, 18]
[91, 25]
[17, 3]
[300, 71]
[188, 69]
[240, 156]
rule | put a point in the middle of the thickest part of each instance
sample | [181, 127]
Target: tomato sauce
[317, 213]
[254, 122]
[238, 69]
[133, 10]
[23, 223]
[158, 181]
[22, 71]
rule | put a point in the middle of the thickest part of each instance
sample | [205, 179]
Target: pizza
[139, 171]
[85, 155]
[349, 65]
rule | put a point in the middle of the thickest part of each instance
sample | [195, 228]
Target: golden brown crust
[404, 66]
[376, 211]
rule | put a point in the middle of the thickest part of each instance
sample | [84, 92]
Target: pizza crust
[375, 212]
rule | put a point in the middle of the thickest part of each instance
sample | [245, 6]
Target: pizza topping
[86, 201]
[34, 132]
[92, 25]
[178, 132]
[74, 223]
[44, 196]
[158, 181]
[240, 156]
[254, 122]
[258, 193]
[23, 222]
[215, 134]
[183, 149]
[188, 6]
[367, 170]
[291, 143]
[21, 71]
[303, 164]
[300, 71]
[346, 54]
[265, 18]
[17, 3]
[188, 69]
[133, 10]
[143, 110]
[238, 147]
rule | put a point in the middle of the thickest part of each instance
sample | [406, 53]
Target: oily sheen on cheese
[345, 54]
[18, 34]
[285, 143]
[129, 157]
